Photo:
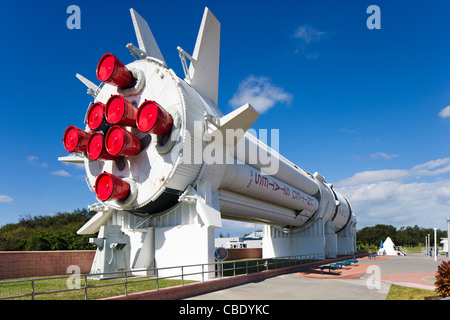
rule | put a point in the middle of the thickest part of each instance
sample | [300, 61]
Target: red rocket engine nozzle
[120, 111]
[75, 139]
[96, 148]
[108, 187]
[95, 115]
[120, 142]
[112, 71]
[152, 118]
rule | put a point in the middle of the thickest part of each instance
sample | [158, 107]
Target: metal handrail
[218, 270]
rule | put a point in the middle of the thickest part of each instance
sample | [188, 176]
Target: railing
[220, 270]
[401, 249]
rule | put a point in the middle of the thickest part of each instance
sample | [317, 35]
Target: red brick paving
[377, 258]
[354, 271]
[415, 279]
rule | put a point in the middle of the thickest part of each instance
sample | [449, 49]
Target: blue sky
[365, 108]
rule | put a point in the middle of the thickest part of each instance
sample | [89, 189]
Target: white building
[388, 248]
[444, 242]
[253, 240]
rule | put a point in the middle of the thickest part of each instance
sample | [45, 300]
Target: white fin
[204, 70]
[93, 225]
[240, 120]
[145, 38]
[92, 88]
[72, 158]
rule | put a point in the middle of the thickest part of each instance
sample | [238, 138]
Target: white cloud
[237, 228]
[440, 166]
[308, 34]
[373, 177]
[388, 197]
[346, 130]
[383, 155]
[400, 204]
[34, 160]
[79, 166]
[445, 113]
[61, 173]
[5, 198]
[306, 37]
[260, 93]
[432, 164]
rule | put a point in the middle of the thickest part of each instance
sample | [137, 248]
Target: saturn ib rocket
[167, 166]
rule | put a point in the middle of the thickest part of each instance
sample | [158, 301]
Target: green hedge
[42, 233]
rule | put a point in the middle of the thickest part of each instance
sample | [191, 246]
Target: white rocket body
[208, 160]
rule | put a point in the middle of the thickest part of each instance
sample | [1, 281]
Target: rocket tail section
[145, 38]
[204, 67]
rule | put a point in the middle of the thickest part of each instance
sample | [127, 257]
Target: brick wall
[248, 253]
[22, 264]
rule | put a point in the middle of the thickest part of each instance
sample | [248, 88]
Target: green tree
[372, 236]
[57, 232]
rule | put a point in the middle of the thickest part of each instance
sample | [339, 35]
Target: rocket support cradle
[168, 166]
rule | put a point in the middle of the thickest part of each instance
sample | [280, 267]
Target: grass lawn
[11, 289]
[414, 249]
[406, 293]
[395, 293]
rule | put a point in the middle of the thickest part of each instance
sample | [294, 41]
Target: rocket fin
[73, 158]
[204, 70]
[94, 224]
[204, 204]
[211, 216]
[239, 121]
[92, 88]
[145, 38]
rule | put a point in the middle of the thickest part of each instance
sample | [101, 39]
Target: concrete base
[167, 242]
[184, 246]
[316, 238]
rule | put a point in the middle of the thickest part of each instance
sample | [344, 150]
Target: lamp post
[448, 237]
[435, 244]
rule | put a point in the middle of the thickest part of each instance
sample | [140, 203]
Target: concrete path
[311, 285]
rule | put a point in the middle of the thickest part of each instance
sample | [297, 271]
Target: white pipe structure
[448, 238]
[435, 244]
[172, 162]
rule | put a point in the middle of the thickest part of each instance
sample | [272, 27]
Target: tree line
[43, 233]
[404, 236]
[59, 232]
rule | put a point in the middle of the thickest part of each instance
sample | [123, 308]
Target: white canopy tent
[388, 248]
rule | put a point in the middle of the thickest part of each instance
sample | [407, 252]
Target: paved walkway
[356, 282]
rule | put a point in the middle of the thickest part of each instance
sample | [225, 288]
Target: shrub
[442, 283]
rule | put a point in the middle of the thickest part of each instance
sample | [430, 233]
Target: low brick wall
[23, 264]
[248, 253]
